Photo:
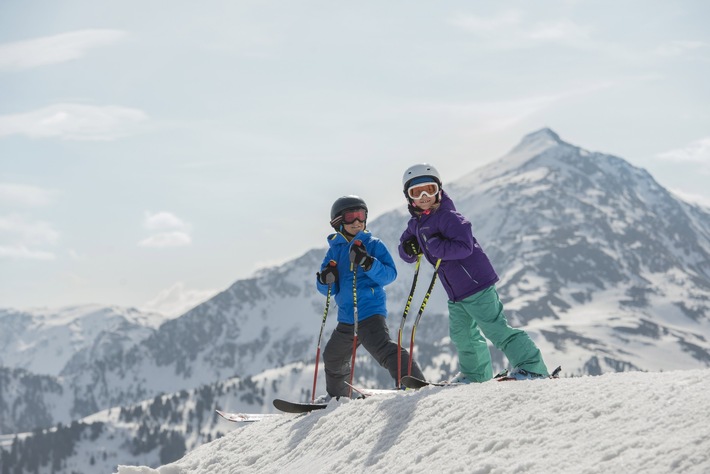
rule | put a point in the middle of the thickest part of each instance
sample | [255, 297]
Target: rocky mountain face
[604, 268]
[41, 348]
[607, 266]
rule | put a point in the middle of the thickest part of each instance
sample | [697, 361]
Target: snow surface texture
[633, 422]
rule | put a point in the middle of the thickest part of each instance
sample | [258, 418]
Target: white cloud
[679, 48]
[24, 239]
[24, 195]
[499, 115]
[489, 25]
[54, 49]
[510, 29]
[563, 31]
[22, 252]
[699, 199]
[166, 239]
[28, 232]
[177, 300]
[696, 152]
[163, 220]
[74, 122]
[173, 231]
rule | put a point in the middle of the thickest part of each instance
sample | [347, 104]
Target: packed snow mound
[615, 423]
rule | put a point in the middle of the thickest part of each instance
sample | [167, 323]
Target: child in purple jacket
[438, 232]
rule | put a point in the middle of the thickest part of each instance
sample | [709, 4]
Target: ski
[244, 417]
[295, 407]
[368, 392]
[415, 383]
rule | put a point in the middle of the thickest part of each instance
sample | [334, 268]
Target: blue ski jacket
[445, 234]
[371, 296]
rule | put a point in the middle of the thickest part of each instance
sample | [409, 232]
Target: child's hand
[411, 247]
[329, 274]
[359, 255]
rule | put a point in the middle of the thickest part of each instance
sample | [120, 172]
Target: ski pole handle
[353, 254]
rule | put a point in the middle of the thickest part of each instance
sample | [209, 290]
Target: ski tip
[234, 416]
[295, 407]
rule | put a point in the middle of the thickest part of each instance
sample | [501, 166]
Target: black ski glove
[359, 255]
[329, 274]
[411, 247]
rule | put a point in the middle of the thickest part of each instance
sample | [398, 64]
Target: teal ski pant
[482, 312]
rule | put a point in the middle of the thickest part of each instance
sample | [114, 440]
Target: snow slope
[615, 423]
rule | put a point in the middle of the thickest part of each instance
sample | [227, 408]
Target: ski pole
[419, 315]
[332, 263]
[404, 317]
[353, 266]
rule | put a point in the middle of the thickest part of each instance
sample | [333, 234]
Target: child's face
[355, 227]
[424, 202]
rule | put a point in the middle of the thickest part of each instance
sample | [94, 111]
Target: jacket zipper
[469, 275]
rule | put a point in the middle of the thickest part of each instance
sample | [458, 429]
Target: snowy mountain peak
[531, 146]
[544, 137]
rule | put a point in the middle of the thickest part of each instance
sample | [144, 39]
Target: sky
[151, 154]
[631, 422]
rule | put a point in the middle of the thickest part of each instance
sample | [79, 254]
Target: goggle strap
[335, 223]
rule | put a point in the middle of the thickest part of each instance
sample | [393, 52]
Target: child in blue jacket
[438, 232]
[354, 249]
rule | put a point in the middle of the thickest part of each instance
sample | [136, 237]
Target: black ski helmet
[341, 205]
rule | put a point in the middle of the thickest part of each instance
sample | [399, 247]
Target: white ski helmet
[418, 171]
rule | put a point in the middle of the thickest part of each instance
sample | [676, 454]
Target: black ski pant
[374, 335]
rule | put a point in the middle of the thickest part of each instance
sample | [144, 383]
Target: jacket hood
[337, 238]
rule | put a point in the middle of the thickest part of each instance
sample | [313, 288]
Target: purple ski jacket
[445, 234]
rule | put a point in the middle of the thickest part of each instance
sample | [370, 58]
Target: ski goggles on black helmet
[352, 215]
[416, 191]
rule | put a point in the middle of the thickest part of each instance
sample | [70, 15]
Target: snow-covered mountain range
[55, 342]
[604, 268]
